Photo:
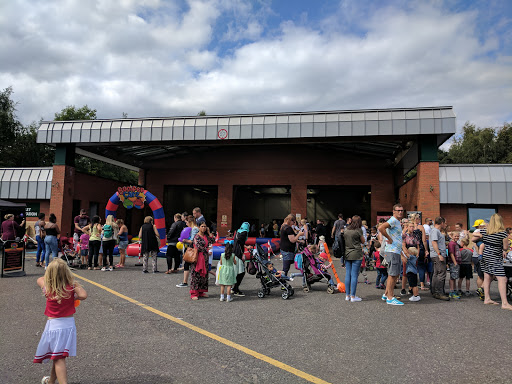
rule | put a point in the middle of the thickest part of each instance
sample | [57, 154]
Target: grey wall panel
[234, 131]
[385, 127]
[156, 134]
[509, 192]
[48, 193]
[319, 129]
[95, 136]
[427, 126]
[257, 131]
[331, 128]
[32, 190]
[499, 193]
[23, 190]
[345, 128]
[483, 193]
[126, 134]
[145, 134]
[306, 130]
[211, 132]
[454, 191]
[399, 127]
[66, 136]
[245, 131]
[188, 133]
[177, 132]
[294, 130]
[438, 126]
[115, 134]
[269, 131]
[200, 132]
[468, 193]
[282, 130]
[104, 134]
[358, 128]
[372, 128]
[56, 136]
[75, 135]
[443, 193]
[448, 125]
[41, 190]
[413, 126]
[14, 189]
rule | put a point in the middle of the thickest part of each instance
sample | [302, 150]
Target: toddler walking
[58, 340]
[227, 275]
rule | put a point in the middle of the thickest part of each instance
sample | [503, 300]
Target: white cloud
[160, 60]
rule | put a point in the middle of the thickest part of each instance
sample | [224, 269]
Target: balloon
[77, 303]
[179, 245]
[341, 287]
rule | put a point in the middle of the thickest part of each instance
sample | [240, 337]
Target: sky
[157, 58]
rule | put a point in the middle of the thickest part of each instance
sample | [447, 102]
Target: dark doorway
[259, 204]
[181, 198]
[325, 202]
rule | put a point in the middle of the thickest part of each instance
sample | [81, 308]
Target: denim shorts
[394, 263]
[123, 245]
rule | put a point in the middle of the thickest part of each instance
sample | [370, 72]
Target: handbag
[190, 255]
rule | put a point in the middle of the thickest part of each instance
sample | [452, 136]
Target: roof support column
[63, 187]
[428, 189]
[299, 200]
[224, 208]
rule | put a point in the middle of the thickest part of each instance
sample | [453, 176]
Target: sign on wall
[32, 209]
[132, 197]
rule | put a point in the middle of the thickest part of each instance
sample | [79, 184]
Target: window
[479, 214]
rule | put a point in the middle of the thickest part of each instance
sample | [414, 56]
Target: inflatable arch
[135, 197]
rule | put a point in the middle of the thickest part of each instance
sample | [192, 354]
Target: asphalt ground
[146, 330]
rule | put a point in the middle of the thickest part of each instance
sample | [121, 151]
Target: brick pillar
[224, 208]
[61, 203]
[299, 199]
[142, 178]
[428, 189]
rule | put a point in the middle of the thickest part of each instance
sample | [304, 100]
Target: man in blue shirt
[392, 231]
[198, 216]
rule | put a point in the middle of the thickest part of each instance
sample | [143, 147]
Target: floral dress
[199, 270]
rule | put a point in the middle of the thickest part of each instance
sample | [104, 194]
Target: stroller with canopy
[313, 272]
[268, 279]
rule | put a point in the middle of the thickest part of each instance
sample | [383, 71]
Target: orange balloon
[77, 302]
[341, 287]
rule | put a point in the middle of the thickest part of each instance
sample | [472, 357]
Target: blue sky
[170, 58]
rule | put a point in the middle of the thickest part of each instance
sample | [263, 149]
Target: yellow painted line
[229, 343]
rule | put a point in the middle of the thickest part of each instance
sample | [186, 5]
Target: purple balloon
[185, 234]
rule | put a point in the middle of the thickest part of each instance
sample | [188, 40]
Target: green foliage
[480, 146]
[202, 113]
[73, 113]
[99, 168]
[18, 146]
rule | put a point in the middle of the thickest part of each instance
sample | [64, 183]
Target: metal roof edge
[476, 165]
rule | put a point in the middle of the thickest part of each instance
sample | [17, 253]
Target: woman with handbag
[149, 241]
[10, 228]
[199, 268]
[188, 241]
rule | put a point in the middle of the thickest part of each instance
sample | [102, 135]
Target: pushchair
[312, 272]
[70, 256]
[267, 278]
[508, 273]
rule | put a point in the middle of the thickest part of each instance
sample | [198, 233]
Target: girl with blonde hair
[58, 340]
[496, 245]
[109, 231]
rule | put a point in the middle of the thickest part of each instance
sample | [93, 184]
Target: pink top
[84, 241]
[64, 309]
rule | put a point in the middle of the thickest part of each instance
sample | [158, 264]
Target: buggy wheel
[261, 293]
[285, 295]
[292, 291]
[330, 289]
[305, 289]
[267, 291]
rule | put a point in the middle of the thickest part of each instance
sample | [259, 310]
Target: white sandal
[45, 380]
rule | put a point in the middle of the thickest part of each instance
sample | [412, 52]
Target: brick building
[261, 167]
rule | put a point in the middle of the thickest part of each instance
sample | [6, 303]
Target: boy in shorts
[412, 272]
[454, 260]
[466, 271]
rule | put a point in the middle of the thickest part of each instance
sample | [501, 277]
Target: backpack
[108, 231]
[298, 261]
[251, 268]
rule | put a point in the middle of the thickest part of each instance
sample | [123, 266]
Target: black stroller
[267, 278]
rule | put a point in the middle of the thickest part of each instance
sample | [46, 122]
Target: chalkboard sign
[13, 259]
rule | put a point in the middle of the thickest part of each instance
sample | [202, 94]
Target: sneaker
[384, 298]
[182, 285]
[239, 294]
[103, 269]
[442, 297]
[403, 292]
[111, 269]
[355, 299]
[229, 298]
[222, 299]
[480, 292]
[394, 301]
[145, 272]
[454, 295]
[459, 293]
[347, 298]
[414, 298]
[291, 278]
[467, 294]
[45, 380]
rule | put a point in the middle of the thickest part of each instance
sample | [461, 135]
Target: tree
[18, 147]
[202, 113]
[73, 113]
[480, 146]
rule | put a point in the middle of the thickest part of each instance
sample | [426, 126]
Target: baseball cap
[478, 223]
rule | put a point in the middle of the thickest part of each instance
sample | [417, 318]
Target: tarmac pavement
[319, 334]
